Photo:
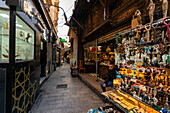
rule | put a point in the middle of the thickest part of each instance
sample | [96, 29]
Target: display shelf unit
[117, 105]
[123, 109]
[138, 100]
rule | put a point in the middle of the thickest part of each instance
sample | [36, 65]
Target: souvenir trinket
[148, 30]
[28, 36]
[164, 8]
[139, 19]
[167, 25]
[137, 32]
[155, 28]
[117, 36]
[151, 10]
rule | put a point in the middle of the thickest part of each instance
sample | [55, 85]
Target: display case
[24, 41]
[4, 35]
[127, 103]
[24, 44]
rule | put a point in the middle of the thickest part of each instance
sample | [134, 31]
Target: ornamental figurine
[151, 10]
[28, 36]
[138, 14]
[154, 92]
[166, 105]
[164, 8]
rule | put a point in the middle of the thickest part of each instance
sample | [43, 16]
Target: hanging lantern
[88, 0]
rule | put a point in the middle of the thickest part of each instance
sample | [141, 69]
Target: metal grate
[61, 86]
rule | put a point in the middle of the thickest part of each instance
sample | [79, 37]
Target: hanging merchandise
[151, 10]
[167, 25]
[93, 49]
[117, 36]
[143, 80]
[164, 8]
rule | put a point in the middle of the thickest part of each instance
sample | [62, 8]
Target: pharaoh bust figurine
[108, 49]
[164, 8]
[139, 19]
[151, 10]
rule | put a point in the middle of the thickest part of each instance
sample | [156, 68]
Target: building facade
[99, 20]
[74, 47]
[26, 35]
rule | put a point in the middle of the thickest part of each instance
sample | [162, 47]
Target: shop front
[20, 52]
[137, 39]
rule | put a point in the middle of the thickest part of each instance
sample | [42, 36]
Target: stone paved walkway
[76, 98]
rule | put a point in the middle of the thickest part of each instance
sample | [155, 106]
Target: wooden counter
[103, 70]
[90, 68]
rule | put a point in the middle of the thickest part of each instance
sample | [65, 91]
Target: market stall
[143, 82]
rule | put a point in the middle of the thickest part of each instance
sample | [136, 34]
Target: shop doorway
[43, 58]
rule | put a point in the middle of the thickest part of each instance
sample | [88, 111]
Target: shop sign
[46, 35]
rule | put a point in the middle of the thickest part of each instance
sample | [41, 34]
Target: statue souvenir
[123, 84]
[150, 94]
[151, 10]
[147, 74]
[108, 49]
[144, 38]
[155, 101]
[145, 98]
[154, 59]
[161, 48]
[164, 8]
[148, 30]
[154, 92]
[123, 40]
[152, 36]
[134, 94]
[166, 105]
[139, 19]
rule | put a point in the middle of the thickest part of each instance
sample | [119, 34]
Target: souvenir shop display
[143, 82]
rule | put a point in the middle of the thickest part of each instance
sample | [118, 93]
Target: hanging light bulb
[88, 0]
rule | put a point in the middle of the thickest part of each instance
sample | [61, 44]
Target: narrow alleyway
[71, 95]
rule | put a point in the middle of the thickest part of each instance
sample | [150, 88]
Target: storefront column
[11, 69]
[80, 51]
[96, 62]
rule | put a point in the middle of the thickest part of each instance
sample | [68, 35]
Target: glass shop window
[4, 35]
[24, 48]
